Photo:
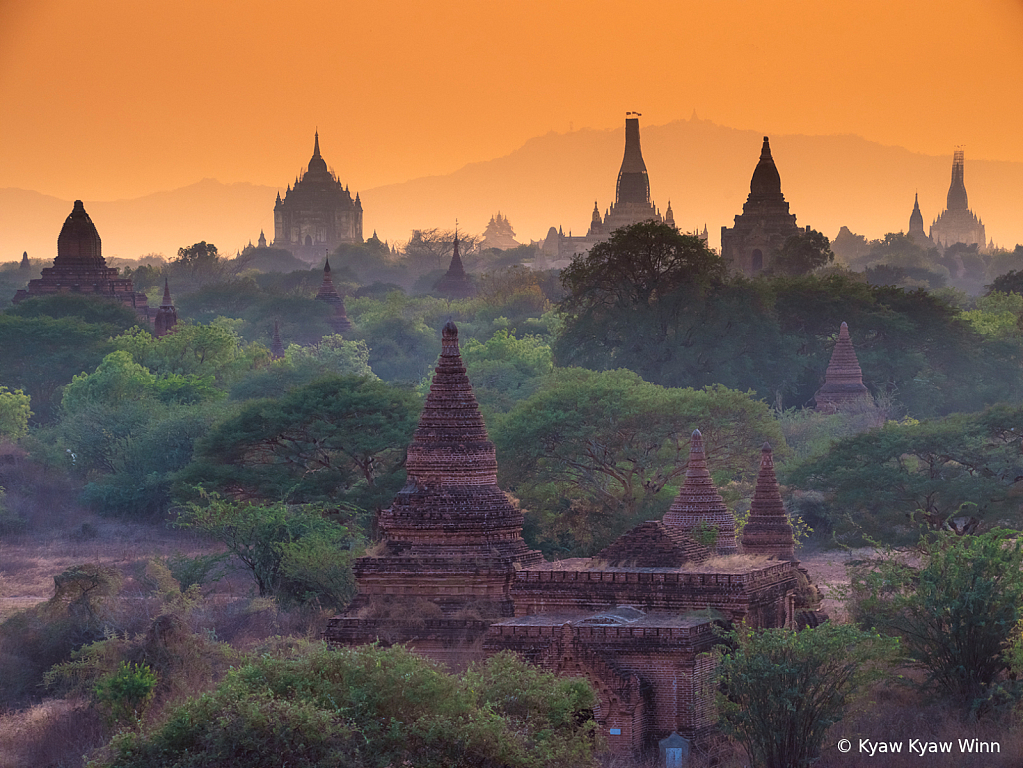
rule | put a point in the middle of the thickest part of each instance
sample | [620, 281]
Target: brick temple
[452, 574]
[455, 283]
[843, 386]
[328, 294]
[80, 268]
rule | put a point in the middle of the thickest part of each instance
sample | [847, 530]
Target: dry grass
[56, 733]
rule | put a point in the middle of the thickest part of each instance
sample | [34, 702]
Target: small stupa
[338, 320]
[768, 530]
[166, 315]
[276, 345]
[24, 265]
[455, 284]
[843, 381]
[699, 505]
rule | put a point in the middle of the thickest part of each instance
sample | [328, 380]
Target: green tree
[126, 693]
[199, 259]
[371, 706]
[957, 614]
[339, 437]
[15, 411]
[117, 379]
[505, 369]
[87, 309]
[301, 365]
[272, 541]
[802, 253]
[591, 454]
[783, 689]
[39, 355]
[948, 473]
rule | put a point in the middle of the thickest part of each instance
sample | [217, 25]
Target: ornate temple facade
[81, 268]
[957, 223]
[499, 234]
[318, 213]
[843, 386]
[764, 224]
[632, 205]
[636, 620]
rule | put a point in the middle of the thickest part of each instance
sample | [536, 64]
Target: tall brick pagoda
[451, 536]
[328, 294]
[166, 317]
[699, 504]
[768, 530]
[843, 381]
[455, 284]
[81, 268]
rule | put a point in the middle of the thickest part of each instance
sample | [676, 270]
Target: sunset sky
[108, 99]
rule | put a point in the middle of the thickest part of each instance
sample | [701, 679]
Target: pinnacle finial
[326, 265]
[765, 152]
[316, 143]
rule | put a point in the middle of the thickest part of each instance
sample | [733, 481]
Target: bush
[784, 689]
[126, 693]
[371, 706]
[957, 614]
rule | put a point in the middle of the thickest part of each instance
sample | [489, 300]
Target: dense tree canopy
[964, 466]
[341, 437]
[592, 454]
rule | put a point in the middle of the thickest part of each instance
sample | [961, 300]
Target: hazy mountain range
[553, 180]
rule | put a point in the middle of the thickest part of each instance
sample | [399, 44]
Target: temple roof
[766, 180]
[455, 283]
[78, 241]
[317, 163]
[698, 502]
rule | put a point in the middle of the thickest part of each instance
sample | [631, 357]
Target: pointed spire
[316, 143]
[766, 181]
[24, 261]
[276, 346]
[699, 505]
[455, 284]
[843, 381]
[768, 530]
[633, 182]
[166, 317]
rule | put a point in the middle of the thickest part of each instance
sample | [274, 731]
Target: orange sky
[105, 99]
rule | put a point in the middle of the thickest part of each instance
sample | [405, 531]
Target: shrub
[784, 689]
[126, 693]
[957, 613]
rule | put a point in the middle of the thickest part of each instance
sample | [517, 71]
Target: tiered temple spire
[698, 506]
[451, 533]
[768, 530]
[338, 320]
[843, 381]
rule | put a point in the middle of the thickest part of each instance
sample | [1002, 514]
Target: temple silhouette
[318, 213]
[957, 223]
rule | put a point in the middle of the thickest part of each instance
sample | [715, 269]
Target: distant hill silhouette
[553, 180]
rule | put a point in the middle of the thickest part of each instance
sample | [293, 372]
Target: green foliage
[125, 694]
[370, 706]
[128, 452]
[199, 570]
[802, 253]
[997, 315]
[213, 350]
[882, 479]
[294, 552]
[332, 355]
[39, 355]
[591, 454]
[87, 309]
[15, 411]
[957, 613]
[784, 689]
[116, 380]
[339, 437]
[505, 369]
[199, 259]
